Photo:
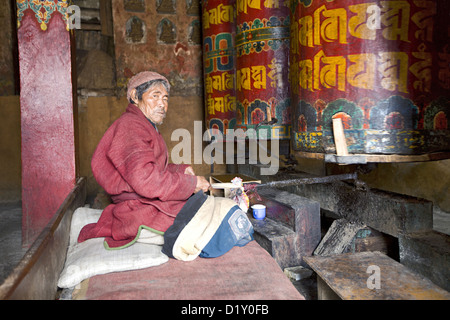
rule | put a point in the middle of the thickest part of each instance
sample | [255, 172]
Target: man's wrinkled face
[154, 103]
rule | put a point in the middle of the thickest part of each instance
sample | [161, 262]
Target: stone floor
[11, 250]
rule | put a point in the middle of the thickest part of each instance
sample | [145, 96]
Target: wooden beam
[91, 27]
[106, 18]
[353, 158]
[338, 237]
[384, 211]
[385, 158]
[37, 274]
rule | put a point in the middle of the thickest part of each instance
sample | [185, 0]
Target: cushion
[207, 226]
[90, 257]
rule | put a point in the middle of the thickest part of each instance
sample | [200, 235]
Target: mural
[134, 5]
[372, 64]
[162, 35]
[135, 30]
[166, 6]
[166, 32]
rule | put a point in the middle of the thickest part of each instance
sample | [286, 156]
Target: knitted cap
[141, 78]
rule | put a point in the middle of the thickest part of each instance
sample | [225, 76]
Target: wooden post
[47, 117]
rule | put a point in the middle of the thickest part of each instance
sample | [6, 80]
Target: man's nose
[161, 103]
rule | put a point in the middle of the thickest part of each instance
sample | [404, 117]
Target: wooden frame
[366, 158]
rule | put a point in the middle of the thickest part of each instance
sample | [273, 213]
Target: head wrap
[141, 78]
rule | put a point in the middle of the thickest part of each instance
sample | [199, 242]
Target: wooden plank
[386, 212]
[36, 275]
[350, 277]
[384, 158]
[427, 253]
[291, 228]
[339, 137]
[223, 181]
[344, 236]
[106, 18]
[309, 155]
[91, 27]
[375, 158]
[338, 237]
[278, 240]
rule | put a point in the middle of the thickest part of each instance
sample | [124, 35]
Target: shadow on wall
[429, 180]
[10, 140]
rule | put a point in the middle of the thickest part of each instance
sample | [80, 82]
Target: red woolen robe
[131, 164]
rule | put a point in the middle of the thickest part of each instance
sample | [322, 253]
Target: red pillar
[47, 118]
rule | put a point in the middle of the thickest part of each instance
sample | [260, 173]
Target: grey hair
[141, 89]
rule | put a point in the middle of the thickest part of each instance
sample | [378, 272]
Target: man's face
[154, 103]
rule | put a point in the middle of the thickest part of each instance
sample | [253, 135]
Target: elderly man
[131, 164]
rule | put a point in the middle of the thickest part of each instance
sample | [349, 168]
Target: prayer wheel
[381, 66]
[219, 64]
[262, 84]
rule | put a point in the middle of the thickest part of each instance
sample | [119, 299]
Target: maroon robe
[131, 164]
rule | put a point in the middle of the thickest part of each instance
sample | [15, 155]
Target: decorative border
[389, 126]
[305, 3]
[262, 35]
[43, 10]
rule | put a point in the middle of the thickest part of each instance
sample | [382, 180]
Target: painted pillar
[381, 66]
[219, 64]
[47, 118]
[262, 84]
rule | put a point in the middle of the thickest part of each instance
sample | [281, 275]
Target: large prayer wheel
[262, 84]
[381, 66]
[219, 63]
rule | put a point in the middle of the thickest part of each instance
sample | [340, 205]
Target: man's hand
[202, 184]
[189, 171]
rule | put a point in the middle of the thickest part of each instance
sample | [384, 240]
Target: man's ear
[133, 96]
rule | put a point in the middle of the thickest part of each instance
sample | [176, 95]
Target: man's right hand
[202, 184]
